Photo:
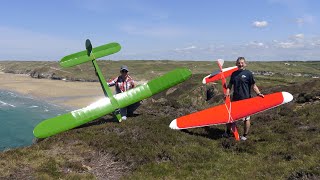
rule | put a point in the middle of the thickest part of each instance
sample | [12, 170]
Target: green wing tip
[188, 70]
[36, 134]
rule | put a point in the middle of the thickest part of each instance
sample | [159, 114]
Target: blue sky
[166, 29]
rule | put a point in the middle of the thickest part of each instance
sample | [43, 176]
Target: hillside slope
[284, 143]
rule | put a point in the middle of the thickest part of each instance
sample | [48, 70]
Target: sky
[206, 30]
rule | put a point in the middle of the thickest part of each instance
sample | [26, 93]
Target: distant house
[264, 73]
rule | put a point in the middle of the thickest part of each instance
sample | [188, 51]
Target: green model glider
[111, 103]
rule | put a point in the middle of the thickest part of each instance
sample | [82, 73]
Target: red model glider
[229, 111]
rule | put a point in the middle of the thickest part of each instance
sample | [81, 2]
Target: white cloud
[257, 44]
[290, 44]
[299, 36]
[186, 49]
[260, 24]
[285, 50]
[298, 8]
[273, 50]
[286, 44]
[297, 41]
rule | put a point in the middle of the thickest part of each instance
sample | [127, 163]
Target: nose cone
[287, 97]
[173, 124]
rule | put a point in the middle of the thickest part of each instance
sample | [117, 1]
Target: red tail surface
[217, 75]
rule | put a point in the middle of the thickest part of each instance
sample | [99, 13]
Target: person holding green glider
[123, 83]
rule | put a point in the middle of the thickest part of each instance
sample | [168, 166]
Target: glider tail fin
[227, 100]
[235, 132]
[223, 79]
[106, 90]
[220, 63]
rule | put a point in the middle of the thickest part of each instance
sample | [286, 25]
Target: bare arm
[228, 88]
[227, 92]
[112, 82]
[256, 90]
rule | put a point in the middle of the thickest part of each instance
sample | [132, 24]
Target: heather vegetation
[284, 142]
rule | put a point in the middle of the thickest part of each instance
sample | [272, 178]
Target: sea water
[19, 114]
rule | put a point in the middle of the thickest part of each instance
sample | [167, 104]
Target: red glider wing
[240, 109]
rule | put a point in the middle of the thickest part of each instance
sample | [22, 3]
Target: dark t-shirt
[242, 80]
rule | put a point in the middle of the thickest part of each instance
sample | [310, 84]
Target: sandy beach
[71, 94]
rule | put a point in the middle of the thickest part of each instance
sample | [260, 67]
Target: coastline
[66, 93]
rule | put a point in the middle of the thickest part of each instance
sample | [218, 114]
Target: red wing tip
[173, 124]
[287, 97]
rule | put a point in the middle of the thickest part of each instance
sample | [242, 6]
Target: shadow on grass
[133, 115]
[102, 120]
[99, 121]
[210, 133]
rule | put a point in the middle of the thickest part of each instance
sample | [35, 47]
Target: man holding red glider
[242, 82]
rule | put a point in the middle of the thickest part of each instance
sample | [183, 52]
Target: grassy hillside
[146, 70]
[284, 143]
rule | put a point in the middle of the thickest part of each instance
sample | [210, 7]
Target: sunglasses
[124, 71]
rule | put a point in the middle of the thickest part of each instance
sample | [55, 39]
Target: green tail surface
[102, 107]
[97, 52]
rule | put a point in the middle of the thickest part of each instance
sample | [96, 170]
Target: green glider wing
[104, 106]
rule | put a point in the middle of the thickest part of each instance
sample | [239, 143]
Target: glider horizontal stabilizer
[240, 109]
[82, 57]
[104, 106]
[215, 76]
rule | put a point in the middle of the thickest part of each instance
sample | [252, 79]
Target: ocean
[19, 114]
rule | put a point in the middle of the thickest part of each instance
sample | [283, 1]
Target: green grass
[283, 143]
